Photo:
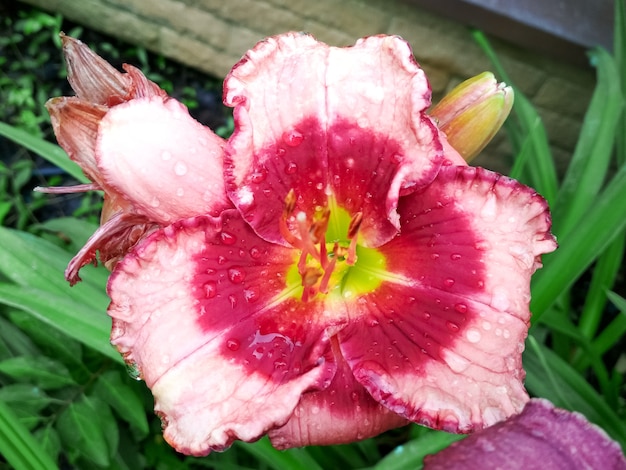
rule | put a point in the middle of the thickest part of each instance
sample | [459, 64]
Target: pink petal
[75, 123]
[112, 239]
[200, 309]
[542, 436]
[342, 413]
[161, 160]
[317, 118]
[440, 341]
[95, 81]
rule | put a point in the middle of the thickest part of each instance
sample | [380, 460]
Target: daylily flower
[359, 276]
[472, 113]
[542, 436]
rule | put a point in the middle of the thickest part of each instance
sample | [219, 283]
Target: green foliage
[66, 398]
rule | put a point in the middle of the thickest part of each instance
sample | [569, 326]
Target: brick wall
[211, 35]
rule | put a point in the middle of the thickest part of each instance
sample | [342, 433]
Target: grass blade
[51, 152]
[18, 446]
[586, 172]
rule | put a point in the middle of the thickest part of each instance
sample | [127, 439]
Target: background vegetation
[66, 400]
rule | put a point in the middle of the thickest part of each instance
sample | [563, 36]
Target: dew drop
[233, 301]
[166, 156]
[452, 326]
[473, 335]
[291, 168]
[426, 316]
[233, 344]
[258, 176]
[293, 138]
[255, 252]
[455, 256]
[228, 238]
[210, 289]
[281, 152]
[461, 308]
[155, 202]
[180, 192]
[434, 255]
[180, 169]
[449, 282]
[486, 325]
[250, 295]
[236, 275]
[221, 260]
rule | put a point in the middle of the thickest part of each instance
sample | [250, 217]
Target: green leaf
[43, 371]
[53, 153]
[291, 459]
[578, 249]
[31, 261]
[587, 171]
[51, 341]
[18, 446]
[111, 389]
[411, 455]
[25, 396]
[72, 318]
[604, 274]
[17, 342]
[80, 431]
[49, 440]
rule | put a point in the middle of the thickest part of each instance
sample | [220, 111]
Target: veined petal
[113, 239]
[200, 309]
[92, 78]
[75, 123]
[342, 413]
[541, 436]
[161, 160]
[448, 325]
[358, 131]
[96, 81]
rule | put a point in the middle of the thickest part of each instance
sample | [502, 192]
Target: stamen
[353, 230]
[290, 205]
[328, 271]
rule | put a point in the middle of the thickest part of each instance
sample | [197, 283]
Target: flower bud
[472, 113]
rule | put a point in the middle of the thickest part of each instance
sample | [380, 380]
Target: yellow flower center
[330, 260]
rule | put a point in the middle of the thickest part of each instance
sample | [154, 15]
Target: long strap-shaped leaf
[53, 153]
[18, 446]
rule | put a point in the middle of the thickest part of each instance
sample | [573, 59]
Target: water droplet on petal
[250, 295]
[293, 138]
[210, 289]
[236, 275]
[259, 175]
[426, 316]
[291, 168]
[221, 260]
[255, 252]
[486, 325]
[434, 255]
[180, 169]
[455, 256]
[233, 344]
[452, 326]
[461, 308]
[180, 192]
[166, 155]
[233, 301]
[473, 335]
[228, 238]
[449, 282]
[155, 202]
